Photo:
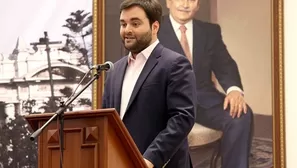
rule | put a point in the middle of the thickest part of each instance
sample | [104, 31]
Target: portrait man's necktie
[184, 42]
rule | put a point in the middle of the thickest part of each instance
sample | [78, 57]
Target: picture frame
[102, 49]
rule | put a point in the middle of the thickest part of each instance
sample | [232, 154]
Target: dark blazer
[161, 110]
[209, 54]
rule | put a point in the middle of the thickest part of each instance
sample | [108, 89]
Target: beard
[135, 44]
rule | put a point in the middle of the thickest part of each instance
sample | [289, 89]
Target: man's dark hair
[152, 8]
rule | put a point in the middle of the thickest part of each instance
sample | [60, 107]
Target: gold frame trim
[279, 139]
[281, 83]
[95, 36]
[98, 48]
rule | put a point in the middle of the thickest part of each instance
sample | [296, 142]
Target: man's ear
[155, 27]
[168, 3]
[198, 6]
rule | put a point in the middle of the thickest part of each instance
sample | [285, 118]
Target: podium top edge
[67, 114]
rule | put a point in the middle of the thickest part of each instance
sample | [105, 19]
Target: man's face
[182, 10]
[136, 31]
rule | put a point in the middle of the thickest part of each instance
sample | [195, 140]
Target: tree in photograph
[16, 148]
[80, 25]
[24, 151]
[4, 139]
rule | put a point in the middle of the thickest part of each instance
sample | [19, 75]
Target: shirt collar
[146, 52]
[176, 25]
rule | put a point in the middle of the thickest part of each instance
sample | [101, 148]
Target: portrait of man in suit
[153, 88]
[202, 44]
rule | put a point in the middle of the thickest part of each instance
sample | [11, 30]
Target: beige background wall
[290, 27]
[246, 29]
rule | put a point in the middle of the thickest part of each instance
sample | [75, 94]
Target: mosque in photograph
[24, 76]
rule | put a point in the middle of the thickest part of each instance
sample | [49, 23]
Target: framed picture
[45, 50]
[253, 34]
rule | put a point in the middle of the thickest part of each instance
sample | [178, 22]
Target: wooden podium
[92, 139]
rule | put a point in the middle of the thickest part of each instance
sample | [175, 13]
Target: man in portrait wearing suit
[153, 88]
[202, 44]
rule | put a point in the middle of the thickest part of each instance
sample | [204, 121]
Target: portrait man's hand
[236, 103]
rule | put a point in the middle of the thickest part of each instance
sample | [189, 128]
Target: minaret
[19, 55]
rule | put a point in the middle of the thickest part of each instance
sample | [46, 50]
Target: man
[153, 88]
[202, 43]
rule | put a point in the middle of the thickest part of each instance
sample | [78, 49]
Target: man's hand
[148, 163]
[236, 104]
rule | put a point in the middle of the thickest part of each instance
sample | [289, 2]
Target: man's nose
[185, 3]
[128, 29]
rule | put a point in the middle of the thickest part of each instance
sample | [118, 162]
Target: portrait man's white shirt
[189, 32]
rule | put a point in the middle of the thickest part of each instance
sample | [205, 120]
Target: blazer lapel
[119, 84]
[168, 36]
[199, 40]
[148, 67]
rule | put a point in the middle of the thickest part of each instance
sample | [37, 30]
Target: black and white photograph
[45, 50]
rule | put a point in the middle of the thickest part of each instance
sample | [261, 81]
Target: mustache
[129, 35]
[184, 10]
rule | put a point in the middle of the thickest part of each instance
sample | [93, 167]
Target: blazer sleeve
[106, 91]
[181, 103]
[222, 64]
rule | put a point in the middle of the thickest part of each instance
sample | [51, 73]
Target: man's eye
[135, 24]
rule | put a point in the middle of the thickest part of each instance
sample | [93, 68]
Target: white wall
[246, 29]
[291, 81]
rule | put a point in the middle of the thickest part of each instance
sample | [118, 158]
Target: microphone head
[111, 66]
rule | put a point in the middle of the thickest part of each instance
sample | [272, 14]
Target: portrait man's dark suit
[161, 109]
[210, 55]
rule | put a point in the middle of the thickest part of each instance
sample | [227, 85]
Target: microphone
[105, 67]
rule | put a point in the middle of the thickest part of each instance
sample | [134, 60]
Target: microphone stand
[60, 114]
